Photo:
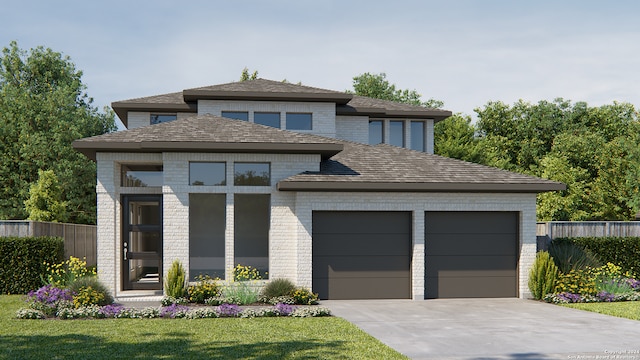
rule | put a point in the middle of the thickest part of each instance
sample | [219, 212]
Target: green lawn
[257, 338]
[624, 309]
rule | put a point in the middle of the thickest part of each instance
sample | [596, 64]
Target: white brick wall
[353, 128]
[138, 119]
[323, 114]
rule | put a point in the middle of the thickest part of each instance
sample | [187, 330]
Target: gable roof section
[269, 90]
[208, 133]
[386, 168]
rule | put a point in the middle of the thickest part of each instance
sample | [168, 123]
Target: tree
[43, 109]
[244, 76]
[45, 199]
[378, 87]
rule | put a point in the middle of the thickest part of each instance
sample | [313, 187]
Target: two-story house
[337, 192]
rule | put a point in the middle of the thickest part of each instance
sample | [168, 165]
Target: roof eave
[122, 108]
[342, 186]
[198, 94]
[436, 115]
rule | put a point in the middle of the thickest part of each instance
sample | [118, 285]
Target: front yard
[222, 338]
[627, 309]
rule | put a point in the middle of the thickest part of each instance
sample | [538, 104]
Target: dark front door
[141, 251]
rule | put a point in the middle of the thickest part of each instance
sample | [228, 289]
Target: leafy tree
[246, 76]
[377, 86]
[43, 109]
[45, 199]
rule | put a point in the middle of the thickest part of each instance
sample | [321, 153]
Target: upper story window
[417, 136]
[252, 174]
[141, 175]
[265, 118]
[376, 132]
[208, 173]
[160, 118]
[396, 133]
[297, 121]
[238, 115]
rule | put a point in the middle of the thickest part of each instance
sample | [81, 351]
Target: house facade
[339, 193]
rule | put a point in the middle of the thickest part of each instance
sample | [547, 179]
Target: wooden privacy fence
[547, 231]
[79, 240]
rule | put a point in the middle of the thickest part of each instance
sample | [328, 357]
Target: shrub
[277, 288]
[543, 275]
[175, 284]
[89, 290]
[66, 272]
[622, 251]
[569, 256]
[577, 282]
[49, 299]
[29, 314]
[240, 293]
[22, 262]
[303, 296]
[245, 273]
[205, 288]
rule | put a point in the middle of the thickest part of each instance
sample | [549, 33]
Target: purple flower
[570, 297]
[228, 310]
[111, 310]
[49, 294]
[605, 296]
[172, 310]
[635, 284]
[284, 309]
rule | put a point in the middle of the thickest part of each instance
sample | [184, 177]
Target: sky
[463, 52]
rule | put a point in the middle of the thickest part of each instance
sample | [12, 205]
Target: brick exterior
[140, 118]
[353, 128]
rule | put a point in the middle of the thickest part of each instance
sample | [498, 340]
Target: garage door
[471, 254]
[361, 255]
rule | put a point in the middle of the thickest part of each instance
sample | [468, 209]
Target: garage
[471, 254]
[361, 254]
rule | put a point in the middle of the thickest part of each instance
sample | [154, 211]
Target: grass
[623, 309]
[258, 338]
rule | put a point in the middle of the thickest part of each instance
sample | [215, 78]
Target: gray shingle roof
[362, 105]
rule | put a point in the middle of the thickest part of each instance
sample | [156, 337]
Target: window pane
[238, 115]
[251, 231]
[396, 133]
[298, 121]
[207, 173]
[141, 175]
[252, 174]
[160, 118]
[376, 132]
[269, 119]
[417, 135]
[207, 222]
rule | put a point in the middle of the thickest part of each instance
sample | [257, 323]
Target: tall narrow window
[141, 175]
[376, 132]
[251, 231]
[269, 119]
[417, 135]
[252, 174]
[207, 222]
[160, 118]
[238, 115]
[298, 121]
[396, 133]
[207, 173]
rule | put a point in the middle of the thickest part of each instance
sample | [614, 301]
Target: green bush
[570, 256]
[277, 288]
[543, 275]
[205, 288]
[175, 284]
[22, 262]
[304, 296]
[89, 290]
[622, 251]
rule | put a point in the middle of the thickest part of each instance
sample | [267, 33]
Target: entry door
[141, 251]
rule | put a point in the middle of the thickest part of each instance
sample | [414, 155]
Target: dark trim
[341, 186]
[199, 94]
[90, 148]
[122, 108]
[436, 115]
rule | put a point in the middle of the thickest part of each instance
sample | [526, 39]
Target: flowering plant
[228, 310]
[49, 299]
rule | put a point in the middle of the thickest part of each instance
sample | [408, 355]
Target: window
[252, 174]
[376, 132]
[160, 118]
[298, 121]
[238, 115]
[251, 231]
[207, 223]
[396, 133]
[269, 119]
[141, 175]
[417, 135]
[207, 173]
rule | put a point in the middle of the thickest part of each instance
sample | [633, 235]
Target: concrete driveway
[491, 329]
